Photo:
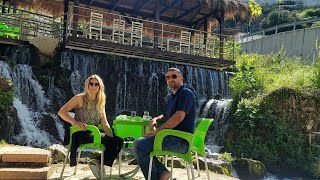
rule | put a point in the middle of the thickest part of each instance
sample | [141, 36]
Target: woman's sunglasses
[172, 77]
[94, 84]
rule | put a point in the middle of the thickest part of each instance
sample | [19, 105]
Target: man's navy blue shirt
[183, 100]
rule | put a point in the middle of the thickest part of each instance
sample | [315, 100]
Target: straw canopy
[189, 13]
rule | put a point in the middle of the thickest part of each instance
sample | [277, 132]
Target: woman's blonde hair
[101, 96]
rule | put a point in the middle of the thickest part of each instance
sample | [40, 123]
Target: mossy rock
[249, 169]
[217, 166]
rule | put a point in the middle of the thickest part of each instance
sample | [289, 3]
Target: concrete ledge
[24, 173]
[24, 154]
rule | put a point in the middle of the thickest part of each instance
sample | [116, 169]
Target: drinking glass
[146, 115]
[133, 114]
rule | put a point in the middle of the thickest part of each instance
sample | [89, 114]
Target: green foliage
[265, 73]
[274, 19]
[6, 99]
[315, 78]
[255, 8]
[3, 143]
[311, 12]
[315, 168]
[245, 82]
[258, 129]
[6, 93]
[262, 136]
[226, 157]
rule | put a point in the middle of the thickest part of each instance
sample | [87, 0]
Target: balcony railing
[29, 24]
[108, 26]
[112, 27]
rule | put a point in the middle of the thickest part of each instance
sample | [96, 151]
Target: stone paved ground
[84, 172]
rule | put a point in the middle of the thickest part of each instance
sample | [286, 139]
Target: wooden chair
[210, 45]
[118, 31]
[95, 28]
[185, 42]
[198, 44]
[136, 33]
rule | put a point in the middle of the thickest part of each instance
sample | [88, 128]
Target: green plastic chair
[96, 144]
[13, 32]
[158, 151]
[198, 142]
[3, 28]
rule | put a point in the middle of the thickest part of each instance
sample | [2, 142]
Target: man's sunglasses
[94, 84]
[172, 77]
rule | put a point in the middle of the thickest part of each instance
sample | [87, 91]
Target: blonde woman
[89, 109]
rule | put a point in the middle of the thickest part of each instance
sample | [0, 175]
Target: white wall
[295, 43]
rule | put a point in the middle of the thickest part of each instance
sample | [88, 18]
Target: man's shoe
[95, 168]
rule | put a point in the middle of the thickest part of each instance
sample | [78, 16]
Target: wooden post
[14, 4]
[221, 32]
[75, 18]
[65, 19]
[205, 27]
[156, 26]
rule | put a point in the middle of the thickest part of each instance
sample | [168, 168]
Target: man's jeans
[143, 146]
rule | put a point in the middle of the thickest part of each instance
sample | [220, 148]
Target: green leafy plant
[6, 99]
[255, 8]
[226, 157]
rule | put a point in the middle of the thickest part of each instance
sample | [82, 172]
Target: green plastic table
[126, 126]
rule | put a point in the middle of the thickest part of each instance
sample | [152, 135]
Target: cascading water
[139, 85]
[219, 111]
[130, 84]
[31, 105]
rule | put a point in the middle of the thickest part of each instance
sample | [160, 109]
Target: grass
[275, 71]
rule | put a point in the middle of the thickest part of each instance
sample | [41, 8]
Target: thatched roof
[190, 13]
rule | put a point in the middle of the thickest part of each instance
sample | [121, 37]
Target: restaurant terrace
[175, 31]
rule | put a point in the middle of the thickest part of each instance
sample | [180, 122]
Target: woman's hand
[81, 125]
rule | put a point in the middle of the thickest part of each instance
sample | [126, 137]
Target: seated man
[180, 115]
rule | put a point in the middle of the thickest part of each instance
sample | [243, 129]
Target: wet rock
[249, 169]
[58, 153]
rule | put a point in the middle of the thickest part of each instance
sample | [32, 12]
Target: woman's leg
[113, 147]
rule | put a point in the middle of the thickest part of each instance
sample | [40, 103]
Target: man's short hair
[175, 69]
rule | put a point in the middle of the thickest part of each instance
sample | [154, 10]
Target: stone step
[23, 154]
[24, 173]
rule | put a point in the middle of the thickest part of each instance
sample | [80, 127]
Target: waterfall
[130, 84]
[219, 111]
[32, 105]
[139, 85]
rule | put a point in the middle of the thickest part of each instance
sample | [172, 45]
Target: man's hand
[150, 134]
[81, 125]
[153, 124]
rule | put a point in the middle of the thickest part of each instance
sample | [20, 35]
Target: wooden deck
[105, 47]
